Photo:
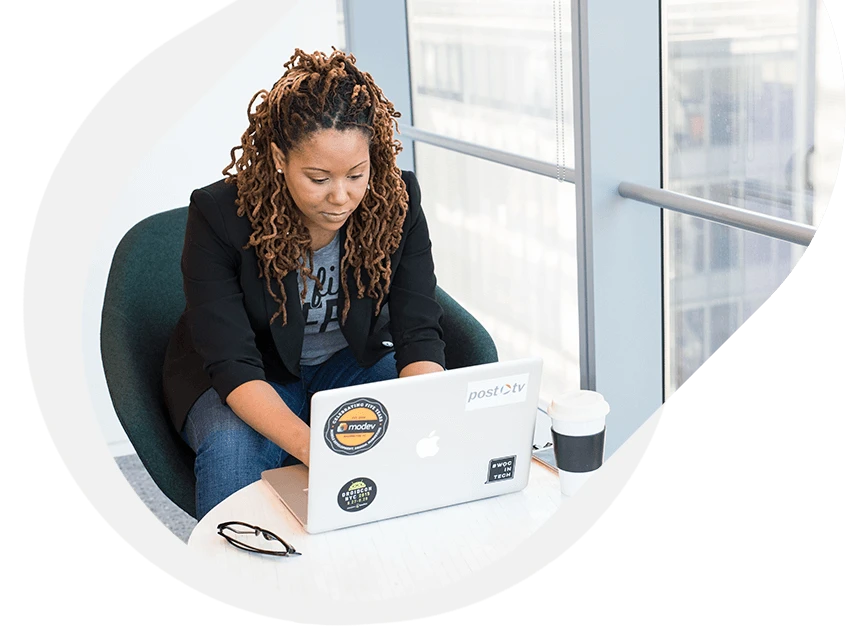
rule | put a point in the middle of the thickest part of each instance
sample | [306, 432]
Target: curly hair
[319, 92]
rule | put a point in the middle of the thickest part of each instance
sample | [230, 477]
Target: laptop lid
[407, 445]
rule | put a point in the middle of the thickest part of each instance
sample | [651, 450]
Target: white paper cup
[578, 436]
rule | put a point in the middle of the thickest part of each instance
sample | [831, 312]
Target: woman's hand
[420, 368]
[261, 407]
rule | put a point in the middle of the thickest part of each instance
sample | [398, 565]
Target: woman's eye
[319, 181]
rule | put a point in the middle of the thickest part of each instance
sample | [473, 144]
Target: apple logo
[428, 446]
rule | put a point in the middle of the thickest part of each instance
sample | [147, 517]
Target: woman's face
[327, 176]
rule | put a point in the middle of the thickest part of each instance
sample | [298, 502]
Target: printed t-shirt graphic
[323, 336]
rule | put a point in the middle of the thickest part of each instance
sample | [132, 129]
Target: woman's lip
[332, 216]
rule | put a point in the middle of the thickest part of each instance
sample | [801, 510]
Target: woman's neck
[322, 239]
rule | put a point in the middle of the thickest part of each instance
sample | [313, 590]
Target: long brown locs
[319, 91]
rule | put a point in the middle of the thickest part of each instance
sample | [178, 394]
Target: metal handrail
[755, 222]
[490, 154]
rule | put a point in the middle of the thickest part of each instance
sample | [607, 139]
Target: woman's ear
[278, 158]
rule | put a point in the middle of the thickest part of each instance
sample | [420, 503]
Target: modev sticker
[357, 494]
[501, 391]
[356, 426]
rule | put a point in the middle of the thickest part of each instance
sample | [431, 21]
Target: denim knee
[230, 453]
[230, 459]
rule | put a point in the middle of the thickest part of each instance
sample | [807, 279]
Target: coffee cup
[578, 436]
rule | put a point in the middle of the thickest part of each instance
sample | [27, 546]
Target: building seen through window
[753, 117]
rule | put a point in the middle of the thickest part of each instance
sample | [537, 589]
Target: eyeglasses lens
[245, 535]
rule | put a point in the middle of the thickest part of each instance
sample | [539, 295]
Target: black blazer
[224, 337]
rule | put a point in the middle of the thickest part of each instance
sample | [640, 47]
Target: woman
[307, 268]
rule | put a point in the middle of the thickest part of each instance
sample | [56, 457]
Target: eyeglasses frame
[267, 534]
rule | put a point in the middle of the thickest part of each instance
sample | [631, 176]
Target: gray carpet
[173, 517]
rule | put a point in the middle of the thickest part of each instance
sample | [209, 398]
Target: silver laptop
[407, 445]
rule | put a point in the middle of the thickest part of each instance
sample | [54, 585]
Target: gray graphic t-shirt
[323, 336]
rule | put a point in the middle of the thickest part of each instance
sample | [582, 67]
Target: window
[724, 106]
[504, 240]
[743, 127]
[723, 323]
[504, 247]
[341, 25]
[483, 72]
[441, 74]
[690, 354]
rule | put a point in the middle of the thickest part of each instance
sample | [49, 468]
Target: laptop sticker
[500, 469]
[501, 391]
[356, 426]
[357, 494]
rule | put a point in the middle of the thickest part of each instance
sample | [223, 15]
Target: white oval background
[77, 566]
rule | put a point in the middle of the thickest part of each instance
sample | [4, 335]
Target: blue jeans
[232, 455]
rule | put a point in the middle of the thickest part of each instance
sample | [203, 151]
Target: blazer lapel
[287, 338]
[357, 326]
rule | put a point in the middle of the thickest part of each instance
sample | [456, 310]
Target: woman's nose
[339, 195]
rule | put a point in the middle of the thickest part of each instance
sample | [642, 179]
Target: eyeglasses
[255, 539]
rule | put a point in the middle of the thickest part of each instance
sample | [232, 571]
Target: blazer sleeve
[415, 315]
[217, 319]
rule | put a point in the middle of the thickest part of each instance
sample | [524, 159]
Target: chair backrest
[143, 301]
[142, 304]
[467, 342]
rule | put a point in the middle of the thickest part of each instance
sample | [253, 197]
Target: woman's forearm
[261, 407]
[420, 368]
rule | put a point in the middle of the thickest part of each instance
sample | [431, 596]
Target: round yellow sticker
[356, 426]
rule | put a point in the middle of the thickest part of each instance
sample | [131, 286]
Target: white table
[382, 560]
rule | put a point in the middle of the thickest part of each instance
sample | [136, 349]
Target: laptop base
[291, 486]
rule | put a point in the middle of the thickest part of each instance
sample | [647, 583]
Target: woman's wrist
[420, 368]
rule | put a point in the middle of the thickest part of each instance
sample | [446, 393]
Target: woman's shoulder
[410, 180]
[219, 193]
[217, 203]
[413, 189]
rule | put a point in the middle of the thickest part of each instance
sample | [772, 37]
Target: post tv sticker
[500, 469]
[356, 426]
[357, 494]
[501, 391]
